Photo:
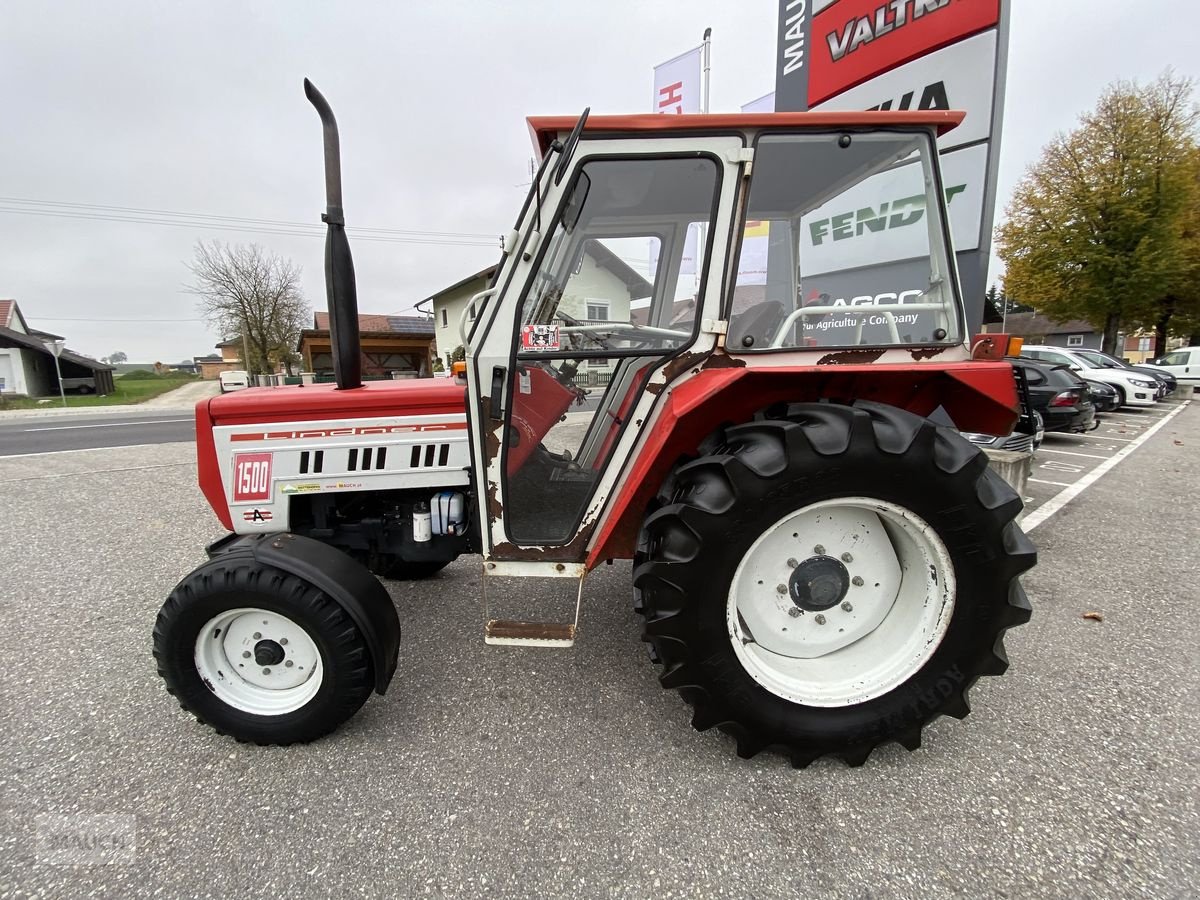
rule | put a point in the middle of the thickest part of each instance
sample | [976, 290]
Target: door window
[614, 292]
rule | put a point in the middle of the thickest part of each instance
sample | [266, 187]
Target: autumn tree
[1098, 228]
[249, 293]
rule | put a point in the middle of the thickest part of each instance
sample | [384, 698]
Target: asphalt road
[529, 773]
[47, 434]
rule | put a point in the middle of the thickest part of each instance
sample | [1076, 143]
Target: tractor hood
[316, 402]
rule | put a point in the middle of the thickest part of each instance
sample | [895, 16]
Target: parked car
[1104, 396]
[1135, 388]
[1166, 381]
[1060, 396]
[1184, 364]
[234, 380]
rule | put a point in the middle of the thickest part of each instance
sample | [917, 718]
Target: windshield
[844, 245]
[1101, 360]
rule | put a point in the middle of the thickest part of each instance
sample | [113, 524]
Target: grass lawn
[128, 390]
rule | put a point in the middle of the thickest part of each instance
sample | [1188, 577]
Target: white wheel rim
[258, 661]
[895, 609]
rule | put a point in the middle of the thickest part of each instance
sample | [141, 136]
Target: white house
[27, 365]
[601, 291]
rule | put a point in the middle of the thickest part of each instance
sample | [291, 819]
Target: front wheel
[832, 579]
[260, 654]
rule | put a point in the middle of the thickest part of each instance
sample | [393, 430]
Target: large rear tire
[831, 579]
[260, 654]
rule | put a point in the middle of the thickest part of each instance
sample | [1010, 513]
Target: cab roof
[544, 129]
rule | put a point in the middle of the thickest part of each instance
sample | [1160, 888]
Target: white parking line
[110, 425]
[1055, 483]
[1097, 437]
[1066, 495]
[1150, 416]
[1043, 449]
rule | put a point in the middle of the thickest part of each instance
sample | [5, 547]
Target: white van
[1184, 364]
[234, 380]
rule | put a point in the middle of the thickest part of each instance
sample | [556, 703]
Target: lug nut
[245, 654]
[257, 635]
[795, 612]
[820, 619]
[792, 563]
[847, 558]
[857, 581]
[819, 550]
[781, 588]
[846, 607]
[266, 671]
[284, 640]
[289, 663]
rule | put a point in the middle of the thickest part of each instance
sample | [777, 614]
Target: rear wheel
[830, 580]
[1120, 395]
[260, 654]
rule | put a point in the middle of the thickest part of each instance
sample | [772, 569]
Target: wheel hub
[258, 661]
[857, 610]
[819, 583]
[268, 653]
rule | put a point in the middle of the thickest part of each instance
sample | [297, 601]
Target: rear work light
[1066, 398]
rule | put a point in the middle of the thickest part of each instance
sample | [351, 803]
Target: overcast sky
[197, 107]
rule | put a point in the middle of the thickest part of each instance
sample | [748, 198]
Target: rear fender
[343, 580]
[978, 396]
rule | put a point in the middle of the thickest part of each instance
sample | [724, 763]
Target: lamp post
[55, 348]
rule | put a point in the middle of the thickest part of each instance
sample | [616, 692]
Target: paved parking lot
[1065, 462]
[521, 773]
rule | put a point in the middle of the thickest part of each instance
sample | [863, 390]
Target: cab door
[615, 269]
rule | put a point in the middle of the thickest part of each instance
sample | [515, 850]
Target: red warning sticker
[539, 337]
[251, 477]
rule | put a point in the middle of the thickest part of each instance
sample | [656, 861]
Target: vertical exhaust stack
[339, 265]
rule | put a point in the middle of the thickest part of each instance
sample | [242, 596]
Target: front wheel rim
[258, 661]
[841, 601]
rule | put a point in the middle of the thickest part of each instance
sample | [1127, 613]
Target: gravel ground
[518, 773]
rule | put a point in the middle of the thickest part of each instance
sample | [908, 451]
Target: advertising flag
[678, 84]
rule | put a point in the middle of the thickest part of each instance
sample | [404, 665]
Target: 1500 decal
[251, 477]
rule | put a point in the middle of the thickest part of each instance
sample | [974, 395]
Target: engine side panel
[260, 467]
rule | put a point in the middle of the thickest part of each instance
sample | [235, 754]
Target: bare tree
[249, 293]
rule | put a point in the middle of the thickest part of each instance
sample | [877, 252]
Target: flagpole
[707, 66]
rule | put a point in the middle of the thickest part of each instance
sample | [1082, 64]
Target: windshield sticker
[539, 337]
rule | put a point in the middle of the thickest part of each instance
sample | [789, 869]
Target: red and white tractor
[712, 346]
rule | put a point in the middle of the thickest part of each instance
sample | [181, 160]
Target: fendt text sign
[902, 55]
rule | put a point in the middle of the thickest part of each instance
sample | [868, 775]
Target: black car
[1104, 396]
[1027, 434]
[1061, 396]
[1166, 381]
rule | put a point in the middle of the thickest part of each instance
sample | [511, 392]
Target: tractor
[727, 348]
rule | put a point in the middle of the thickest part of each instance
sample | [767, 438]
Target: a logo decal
[251, 477]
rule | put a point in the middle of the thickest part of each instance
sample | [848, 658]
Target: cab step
[552, 635]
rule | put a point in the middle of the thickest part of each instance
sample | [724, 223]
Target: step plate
[505, 632]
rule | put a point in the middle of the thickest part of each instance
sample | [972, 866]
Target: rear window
[1060, 377]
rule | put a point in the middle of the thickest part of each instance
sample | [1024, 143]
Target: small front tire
[260, 654]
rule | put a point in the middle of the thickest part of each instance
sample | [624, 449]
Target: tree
[115, 358]
[1097, 228]
[248, 293]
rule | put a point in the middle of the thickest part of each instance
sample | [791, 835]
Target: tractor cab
[657, 249]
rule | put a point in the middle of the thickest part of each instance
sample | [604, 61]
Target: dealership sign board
[905, 55]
